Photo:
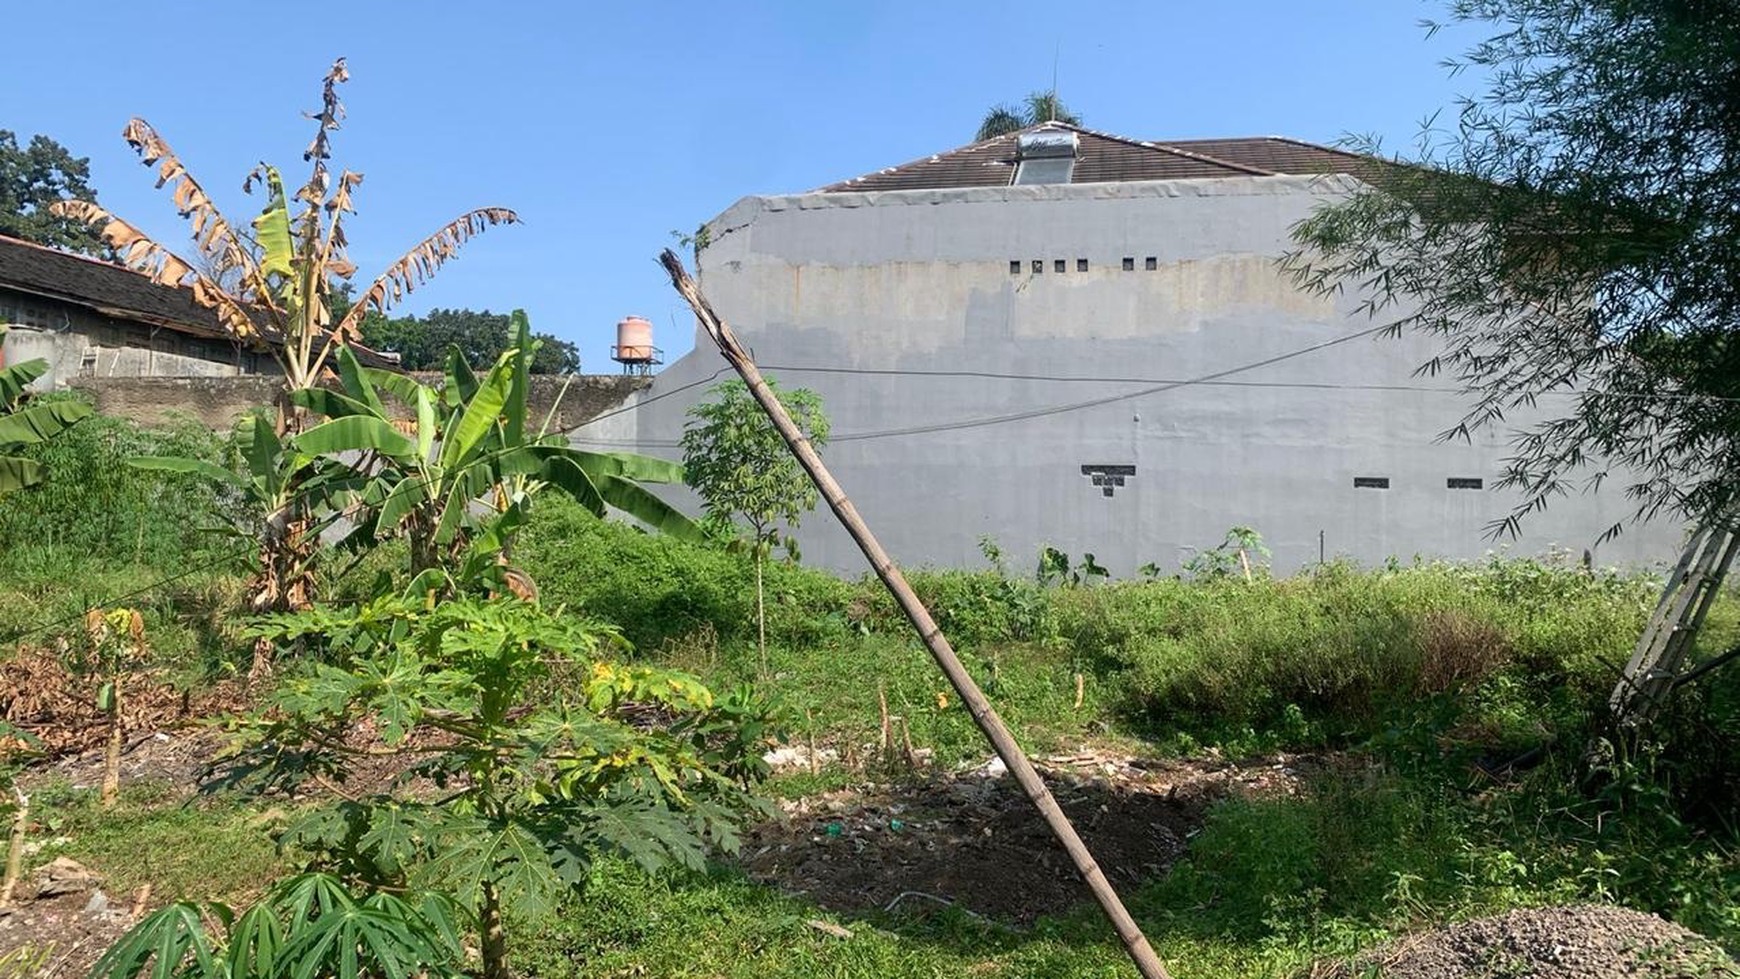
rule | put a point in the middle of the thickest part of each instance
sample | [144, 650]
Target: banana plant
[288, 498]
[457, 477]
[274, 286]
[22, 423]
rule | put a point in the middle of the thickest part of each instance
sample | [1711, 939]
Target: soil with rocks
[974, 840]
[1573, 942]
[62, 921]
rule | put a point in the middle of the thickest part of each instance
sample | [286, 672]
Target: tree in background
[1575, 241]
[735, 459]
[34, 177]
[422, 342]
[1038, 107]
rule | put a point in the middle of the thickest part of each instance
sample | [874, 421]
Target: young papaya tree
[273, 285]
[457, 477]
[546, 754]
[23, 423]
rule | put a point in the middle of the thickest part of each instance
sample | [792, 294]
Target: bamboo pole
[1135, 943]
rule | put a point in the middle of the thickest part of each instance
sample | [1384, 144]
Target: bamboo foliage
[271, 282]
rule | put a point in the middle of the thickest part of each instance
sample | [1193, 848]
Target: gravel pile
[1575, 942]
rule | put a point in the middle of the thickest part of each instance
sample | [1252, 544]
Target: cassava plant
[117, 644]
[310, 925]
[544, 752]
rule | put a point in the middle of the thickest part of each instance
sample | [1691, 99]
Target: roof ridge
[39, 246]
[1327, 149]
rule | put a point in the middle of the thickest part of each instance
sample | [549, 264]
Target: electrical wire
[118, 599]
[1020, 415]
[1159, 385]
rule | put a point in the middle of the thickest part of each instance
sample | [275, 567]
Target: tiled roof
[108, 289]
[1104, 158]
[118, 292]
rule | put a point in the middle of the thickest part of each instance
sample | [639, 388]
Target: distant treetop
[1038, 107]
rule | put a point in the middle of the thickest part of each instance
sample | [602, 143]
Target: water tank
[634, 341]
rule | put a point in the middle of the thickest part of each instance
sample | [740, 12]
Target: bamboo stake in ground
[15, 846]
[1135, 943]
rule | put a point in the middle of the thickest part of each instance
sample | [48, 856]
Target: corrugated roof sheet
[1106, 158]
[108, 289]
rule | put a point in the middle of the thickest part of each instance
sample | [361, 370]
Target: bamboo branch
[1135, 943]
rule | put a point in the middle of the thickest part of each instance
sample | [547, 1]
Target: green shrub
[658, 589]
[1350, 648]
[95, 510]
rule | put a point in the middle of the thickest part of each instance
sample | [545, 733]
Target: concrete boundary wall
[217, 402]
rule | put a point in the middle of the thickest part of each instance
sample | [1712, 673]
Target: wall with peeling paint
[1099, 298]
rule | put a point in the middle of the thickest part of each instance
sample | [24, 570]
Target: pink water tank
[634, 341]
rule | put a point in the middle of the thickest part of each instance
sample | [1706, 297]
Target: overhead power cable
[23, 634]
[1013, 416]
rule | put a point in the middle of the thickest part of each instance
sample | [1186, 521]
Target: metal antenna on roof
[1056, 51]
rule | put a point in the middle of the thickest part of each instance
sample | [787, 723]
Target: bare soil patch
[62, 922]
[1573, 942]
[973, 839]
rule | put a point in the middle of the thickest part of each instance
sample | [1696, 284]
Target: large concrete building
[1063, 337]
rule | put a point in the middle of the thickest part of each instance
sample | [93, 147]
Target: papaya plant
[544, 752]
[458, 476]
[24, 422]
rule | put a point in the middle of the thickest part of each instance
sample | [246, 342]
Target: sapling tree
[117, 644]
[737, 462]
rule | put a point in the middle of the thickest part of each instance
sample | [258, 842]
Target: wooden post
[1135, 943]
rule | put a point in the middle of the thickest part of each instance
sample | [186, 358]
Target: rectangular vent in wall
[1014, 266]
[1465, 482]
[1371, 482]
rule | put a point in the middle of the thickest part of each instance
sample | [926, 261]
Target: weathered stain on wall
[1055, 368]
[78, 342]
[217, 402]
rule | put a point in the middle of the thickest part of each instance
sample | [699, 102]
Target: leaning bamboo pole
[1135, 943]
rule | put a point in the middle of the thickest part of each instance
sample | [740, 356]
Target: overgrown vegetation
[1444, 712]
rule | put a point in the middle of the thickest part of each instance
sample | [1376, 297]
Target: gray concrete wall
[217, 402]
[922, 281]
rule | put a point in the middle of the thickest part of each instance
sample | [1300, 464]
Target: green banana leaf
[40, 422]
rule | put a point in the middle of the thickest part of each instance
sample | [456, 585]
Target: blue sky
[609, 125]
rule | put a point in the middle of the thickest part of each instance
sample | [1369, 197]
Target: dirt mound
[1575, 942]
[974, 840]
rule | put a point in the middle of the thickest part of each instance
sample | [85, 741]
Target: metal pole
[1135, 943]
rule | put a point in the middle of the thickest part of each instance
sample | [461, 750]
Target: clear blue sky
[608, 125]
